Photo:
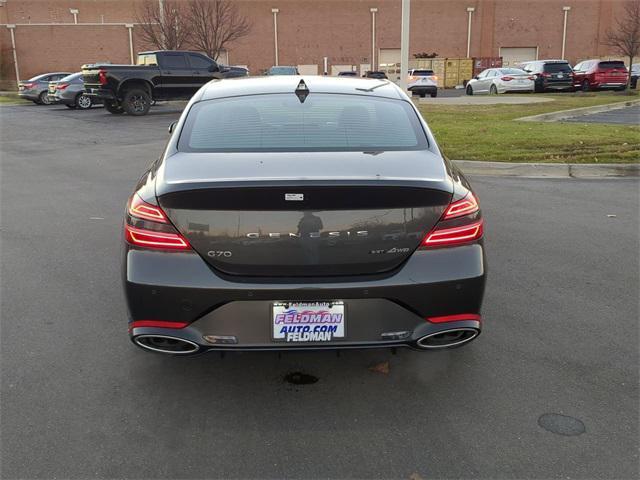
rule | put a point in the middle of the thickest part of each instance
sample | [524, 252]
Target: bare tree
[215, 24]
[625, 39]
[164, 24]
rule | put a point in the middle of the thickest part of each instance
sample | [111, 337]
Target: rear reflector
[153, 239]
[141, 209]
[453, 236]
[455, 318]
[156, 324]
[462, 207]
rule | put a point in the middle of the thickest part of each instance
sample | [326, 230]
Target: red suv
[597, 74]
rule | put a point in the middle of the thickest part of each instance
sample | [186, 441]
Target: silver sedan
[70, 92]
[501, 80]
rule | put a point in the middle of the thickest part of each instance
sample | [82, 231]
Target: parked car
[282, 70]
[373, 74]
[158, 75]
[349, 73]
[500, 80]
[234, 72]
[70, 92]
[635, 74]
[36, 88]
[600, 74]
[422, 82]
[550, 74]
[269, 218]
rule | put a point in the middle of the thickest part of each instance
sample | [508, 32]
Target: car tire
[493, 90]
[113, 107]
[43, 98]
[586, 87]
[136, 102]
[538, 87]
[70, 106]
[469, 90]
[84, 102]
[37, 102]
[434, 94]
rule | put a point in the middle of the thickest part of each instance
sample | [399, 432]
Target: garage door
[308, 69]
[335, 69]
[512, 56]
[389, 63]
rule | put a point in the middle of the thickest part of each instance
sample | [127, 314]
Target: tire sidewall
[469, 90]
[88, 98]
[42, 98]
[136, 102]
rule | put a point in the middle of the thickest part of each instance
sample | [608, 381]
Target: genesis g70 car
[293, 212]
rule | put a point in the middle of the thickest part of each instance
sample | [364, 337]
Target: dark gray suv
[302, 213]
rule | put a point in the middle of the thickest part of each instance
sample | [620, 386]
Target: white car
[501, 80]
[421, 82]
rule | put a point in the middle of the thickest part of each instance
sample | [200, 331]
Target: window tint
[199, 62]
[74, 77]
[423, 73]
[279, 122]
[147, 59]
[557, 67]
[512, 71]
[174, 61]
[612, 64]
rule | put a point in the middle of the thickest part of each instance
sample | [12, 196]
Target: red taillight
[102, 77]
[156, 324]
[459, 208]
[141, 209]
[531, 77]
[454, 236]
[61, 86]
[28, 85]
[153, 239]
[461, 317]
[506, 78]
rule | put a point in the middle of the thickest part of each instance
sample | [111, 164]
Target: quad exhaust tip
[448, 338]
[166, 344]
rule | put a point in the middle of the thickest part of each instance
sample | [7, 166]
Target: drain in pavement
[561, 424]
[299, 378]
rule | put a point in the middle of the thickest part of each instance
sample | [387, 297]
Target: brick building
[52, 35]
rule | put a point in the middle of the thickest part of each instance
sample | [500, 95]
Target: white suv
[421, 82]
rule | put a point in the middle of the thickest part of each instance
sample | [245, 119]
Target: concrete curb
[577, 112]
[549, 170]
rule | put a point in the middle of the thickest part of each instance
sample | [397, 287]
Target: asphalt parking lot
[619, 116]
[80, 401]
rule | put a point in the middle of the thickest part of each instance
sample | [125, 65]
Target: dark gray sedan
[36, 88]
[70, 91]
[302, 213]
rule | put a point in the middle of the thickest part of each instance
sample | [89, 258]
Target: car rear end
[30, 89]
[514, 80]
[99, 83]
[557, 76]
[422, 82]
[275, 224]
[610, 75]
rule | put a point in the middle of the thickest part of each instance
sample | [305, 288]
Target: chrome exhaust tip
[448, 338]
[166, 344]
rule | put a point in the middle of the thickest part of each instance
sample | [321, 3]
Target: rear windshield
[72, 78]
[611, 65]
[512, 71]
[282, 71]
[557, 67]
[422, 73]
[280, 123]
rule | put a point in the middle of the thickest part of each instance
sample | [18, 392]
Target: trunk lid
[256, 220]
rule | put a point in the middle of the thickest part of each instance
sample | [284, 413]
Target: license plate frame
[302, 323]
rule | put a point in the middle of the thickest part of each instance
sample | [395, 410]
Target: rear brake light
[102, 77]
[156, 324]
[153, 239]
[531, 77]
[459, 208]
[62, 86]
[506, 78]
[141, 209]
[434, 77]
[412, 77]
[453, 236]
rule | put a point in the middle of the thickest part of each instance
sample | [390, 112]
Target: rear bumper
[30, 94]
[423, 89]
[181, 287]
[101, 93]
[559, 85]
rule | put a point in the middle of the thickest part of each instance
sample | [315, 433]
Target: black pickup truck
[158, 75]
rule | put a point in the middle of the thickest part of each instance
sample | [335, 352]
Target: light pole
[275, 31]
[373, 11]
[404, 44]
[470, 11]
[12, 28]
[564, 29]
[129, 27]
[74, 12]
